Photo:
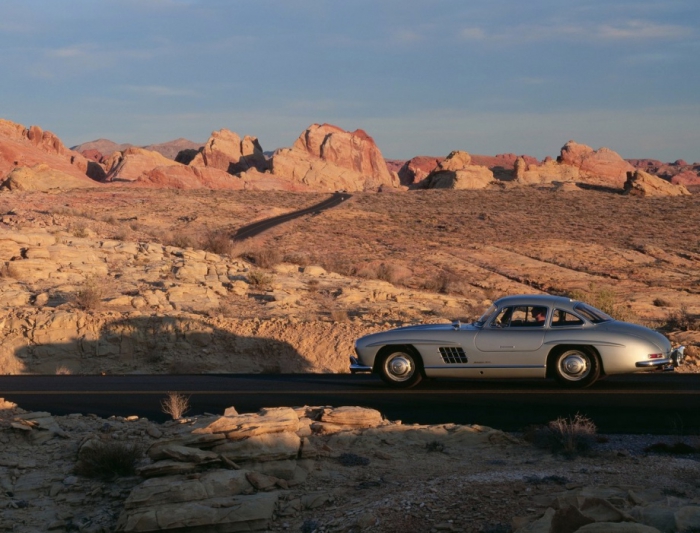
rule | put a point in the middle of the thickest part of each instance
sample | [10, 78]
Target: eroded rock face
[328, 158]
[639, 183]
[226, 151]
[602, 164]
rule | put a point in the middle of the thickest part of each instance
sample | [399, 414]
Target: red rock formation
[42, 177]
[685, 172]
[324, 151]
[133, 163]
[170, 149]
[27, 147]
[602, 165]
[417, 169]
[226, 151]
[456, 171]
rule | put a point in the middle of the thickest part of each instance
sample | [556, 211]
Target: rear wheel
[576, 367]
[400, 367]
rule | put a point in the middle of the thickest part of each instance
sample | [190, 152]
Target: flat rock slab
[273, 420]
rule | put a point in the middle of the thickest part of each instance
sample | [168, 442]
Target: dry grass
[569, 436]
[175, 405]
[89, 295]
[260, 279]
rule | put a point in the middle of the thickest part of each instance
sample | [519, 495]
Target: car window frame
[553, 325]
[491, 323]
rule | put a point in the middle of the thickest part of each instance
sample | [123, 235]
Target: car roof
[535, 299]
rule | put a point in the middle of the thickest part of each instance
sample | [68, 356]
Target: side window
[520, 316]
[564, 318]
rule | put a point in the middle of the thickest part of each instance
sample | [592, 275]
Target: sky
[421, 77]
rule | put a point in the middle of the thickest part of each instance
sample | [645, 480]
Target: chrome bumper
[675, 359]
[358, 368]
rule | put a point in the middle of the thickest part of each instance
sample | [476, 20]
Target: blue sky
[421, 77]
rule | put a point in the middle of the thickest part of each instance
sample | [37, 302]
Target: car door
[512, 339]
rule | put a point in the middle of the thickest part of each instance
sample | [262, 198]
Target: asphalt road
[642, 403]
[263, 225]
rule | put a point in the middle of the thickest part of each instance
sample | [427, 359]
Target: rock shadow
[158, 345]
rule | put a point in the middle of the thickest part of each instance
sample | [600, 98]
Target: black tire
[576, 367]
[400, 367]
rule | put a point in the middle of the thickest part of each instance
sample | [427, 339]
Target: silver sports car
[531, 336]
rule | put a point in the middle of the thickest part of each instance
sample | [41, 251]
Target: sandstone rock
[325, 157]
[265, 447]
[188, 177]
[353, 416]
[42, 177]
[639, 183]
[226, 151]
[171, 149]
[261, 481]
[133, 163]
[687, 177]
[272, 420]
[187, 454]
[688, 518]
[457, 172]
[417, 169]
[611, 527]
[602, 163]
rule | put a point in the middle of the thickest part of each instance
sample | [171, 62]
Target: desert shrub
[339, 315]
[122, 234]
[259, 279]
[264, 257]
[80, 230]
[435, 446]
[89, 295]
[681, 320]
[175, 405]
[63, 371]
[438, 283]
[662, 302]
[217, 243]
[569, 436]
[297, 258]
[351, 459]
[108, 459]
[180, 240]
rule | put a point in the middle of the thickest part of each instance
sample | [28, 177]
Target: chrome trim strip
[476, 366]
[416, 342]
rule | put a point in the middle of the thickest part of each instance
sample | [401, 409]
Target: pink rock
[226, 151]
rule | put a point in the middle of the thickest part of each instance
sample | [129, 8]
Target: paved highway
[642, 403]
[256, 228]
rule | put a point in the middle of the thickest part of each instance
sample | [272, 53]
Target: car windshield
[591, 313]
[483, 318]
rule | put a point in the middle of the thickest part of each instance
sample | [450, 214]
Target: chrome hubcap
[574, 366]
[400, 367]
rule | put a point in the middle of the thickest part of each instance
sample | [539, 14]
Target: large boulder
[226, 151]
[325, 157]
[417, 169]
[42, 177]
[134, 163]
[603, 165]
[640, 183]
[457, 172]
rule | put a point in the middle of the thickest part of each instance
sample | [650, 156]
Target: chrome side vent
[453, 354]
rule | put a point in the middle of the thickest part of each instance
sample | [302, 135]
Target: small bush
[218, 243]
[435, 446]
[264, 258]
[108, 459]
[339, 315]
[63, 371]
[259, 279]
[662, 302]
[351, 459]
[80, 231]
[681, 320]
[89, 296]
[570, 437]
[175, 405]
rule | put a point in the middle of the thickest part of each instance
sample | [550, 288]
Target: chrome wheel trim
[399, 367]
[574, 365]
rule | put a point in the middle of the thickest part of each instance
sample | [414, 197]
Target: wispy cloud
[631, 30]
[159, 90]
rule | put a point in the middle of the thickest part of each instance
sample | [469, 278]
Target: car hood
[641, 332]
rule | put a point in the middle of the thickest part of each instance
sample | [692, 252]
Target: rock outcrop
[639, 183]
[328, 158]
[416, 169]
[42, 177]
[28, 147]
[457, 172]
[226, 151]
[134, 163]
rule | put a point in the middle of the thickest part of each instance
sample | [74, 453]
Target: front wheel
[576, 367]
[400, 368]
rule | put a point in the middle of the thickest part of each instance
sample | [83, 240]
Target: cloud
[159, 90]
[631, 30]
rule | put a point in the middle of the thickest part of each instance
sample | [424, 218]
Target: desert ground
[148, 280]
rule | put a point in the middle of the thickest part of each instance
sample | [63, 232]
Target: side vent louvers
[453, 355]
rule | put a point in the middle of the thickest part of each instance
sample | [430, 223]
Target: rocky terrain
[330, 469]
